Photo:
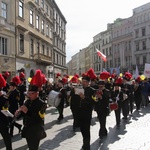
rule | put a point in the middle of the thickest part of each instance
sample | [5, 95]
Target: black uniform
[85, 115]
[22, 90]
[74, 106]
[33, 123]
[60, 107]
[117, 94]
[13, 98]
[4, 123]
[101, 107]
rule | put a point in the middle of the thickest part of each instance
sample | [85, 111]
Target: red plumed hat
[84, 74]
[74, 79]
[64, 80]
[58, 75]
[22, 76]
[38, 79]
[138, 79]
[2, 81]
[76, 75]
[104, 75]
[6, 75]
[118, 81]
[91, 74]
[127, 76]
[15, 81]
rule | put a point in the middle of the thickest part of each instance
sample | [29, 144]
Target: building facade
[7, 37]
[33, 37]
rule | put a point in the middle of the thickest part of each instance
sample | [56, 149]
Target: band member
[33, 112]
[117, 97]
[101, 107]
[6, 88]
[74, 102]
[63, 96]
[137, 93]
[4, 123]
[13, 98]
[126, 90]
[85, 111]
[22, 88]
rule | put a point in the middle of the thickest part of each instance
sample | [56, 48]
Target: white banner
[147, 70]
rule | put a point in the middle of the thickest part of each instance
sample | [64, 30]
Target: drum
[53, 98]
[113, 106]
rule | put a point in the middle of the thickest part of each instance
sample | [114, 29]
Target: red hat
[104, 75]
[15, 81]
[38, 79]
[74, 79]
[22, 76]
[118, 82]
[64, 80]
[58, 75]
[6, 75]
[127, 76]
[91, 74]
[138, 79]
[2, 81]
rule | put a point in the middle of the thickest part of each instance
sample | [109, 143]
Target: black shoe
[60, 118]
[125, 118]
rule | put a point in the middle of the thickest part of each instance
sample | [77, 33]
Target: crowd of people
[102, 94]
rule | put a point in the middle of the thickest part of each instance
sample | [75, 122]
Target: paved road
[133, 134]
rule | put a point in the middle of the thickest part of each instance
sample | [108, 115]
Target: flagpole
[101, 65]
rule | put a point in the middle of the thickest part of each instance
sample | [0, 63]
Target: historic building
[32, 36]
[7, 37]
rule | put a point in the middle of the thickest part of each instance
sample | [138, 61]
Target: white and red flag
[100, 54]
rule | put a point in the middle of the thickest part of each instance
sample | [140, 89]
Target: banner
[147, 70]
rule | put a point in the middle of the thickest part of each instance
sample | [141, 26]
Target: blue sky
[86, 18]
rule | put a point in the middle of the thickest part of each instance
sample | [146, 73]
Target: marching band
[103, 94]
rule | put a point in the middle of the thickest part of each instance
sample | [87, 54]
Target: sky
[87, 18]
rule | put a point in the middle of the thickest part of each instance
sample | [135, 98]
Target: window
[144, 45]
[144, 59]
[50, 32]
[31, 17]
[137, 33]
[47, 51]
[42, 26]
[4, 10]
[37, 1]
[3, 46]
[47, 30]
[21, 42]
[32, 47]
[137, 46]
[21, 9]
[43, 49]
[143, 31]
[42, 4]
[37, 22]
[38, 47]
[137, 60]
[47, 9]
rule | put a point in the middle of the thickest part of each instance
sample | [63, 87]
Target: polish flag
[100, 54]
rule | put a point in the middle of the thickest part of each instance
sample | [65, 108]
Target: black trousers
[85, 123]
[6, 136]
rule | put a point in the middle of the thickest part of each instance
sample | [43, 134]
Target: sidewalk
[132, 134]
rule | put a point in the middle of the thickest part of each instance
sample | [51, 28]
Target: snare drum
[53, 98]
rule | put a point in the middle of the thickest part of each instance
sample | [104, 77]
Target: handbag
[113, 106]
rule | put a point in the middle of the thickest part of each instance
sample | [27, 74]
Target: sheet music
[79, 90]
[7, 113]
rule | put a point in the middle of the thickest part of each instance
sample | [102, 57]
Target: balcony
[6, 25]
[43, 59]
[2, 22]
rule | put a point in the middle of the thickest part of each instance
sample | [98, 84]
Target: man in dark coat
[85, 111]
[4, 123]
[33, 112]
